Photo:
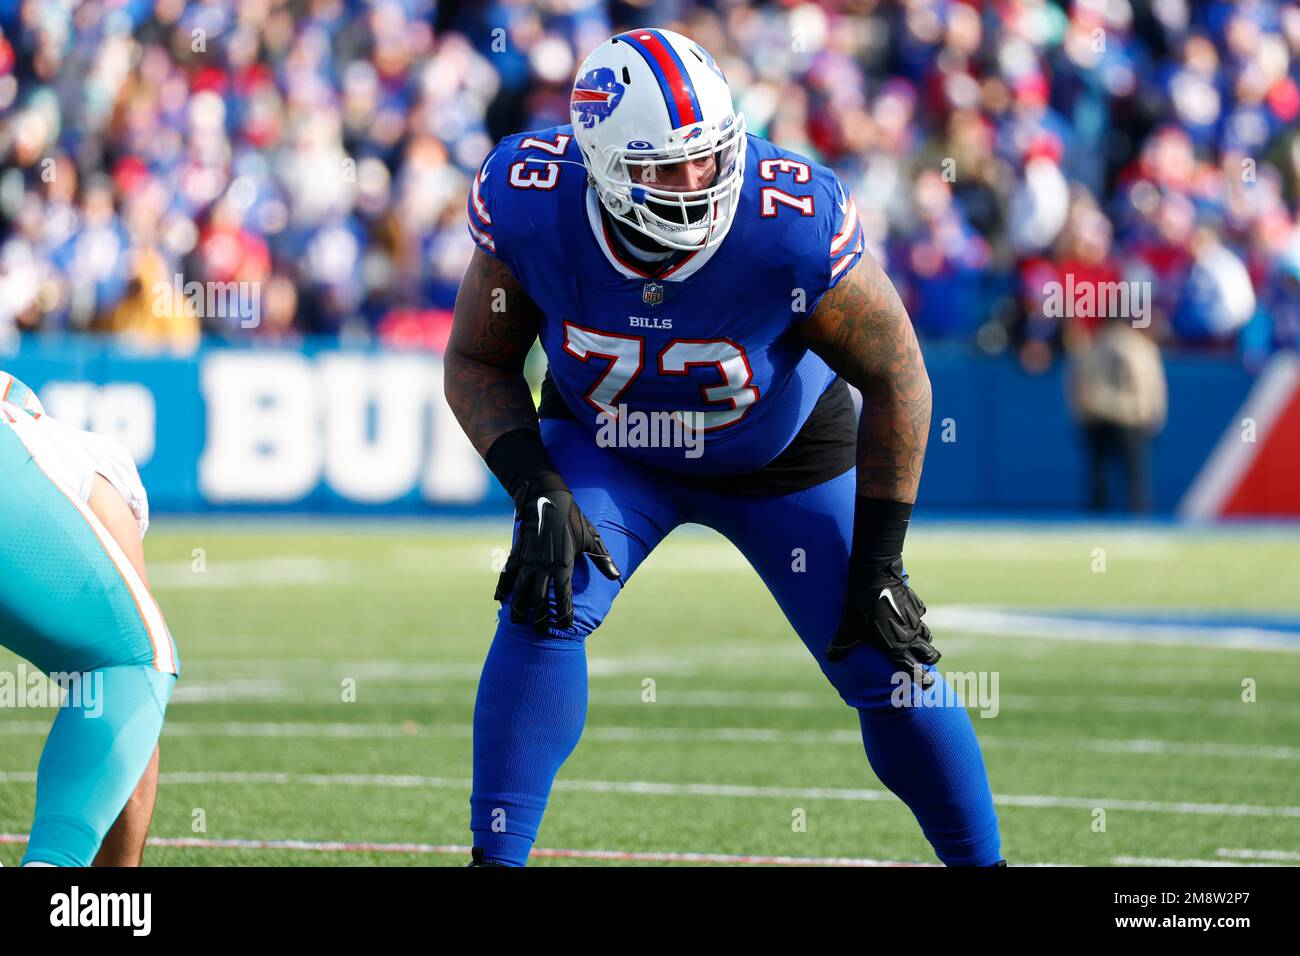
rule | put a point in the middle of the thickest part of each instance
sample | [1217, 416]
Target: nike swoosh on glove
[881, 609]
[552, 532]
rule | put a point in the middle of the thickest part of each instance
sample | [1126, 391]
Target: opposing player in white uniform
[74, 601]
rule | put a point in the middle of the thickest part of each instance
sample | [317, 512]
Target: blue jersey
[711, 339]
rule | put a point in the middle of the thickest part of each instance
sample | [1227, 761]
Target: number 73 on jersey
[625, 355]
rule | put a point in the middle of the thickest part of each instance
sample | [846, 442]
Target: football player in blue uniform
[702, 297]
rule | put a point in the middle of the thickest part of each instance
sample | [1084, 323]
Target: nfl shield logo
[652, 294]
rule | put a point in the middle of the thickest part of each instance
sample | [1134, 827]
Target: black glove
[882, 609]
[552, 532]
[879, 607]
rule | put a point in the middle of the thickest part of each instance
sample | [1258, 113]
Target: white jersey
[74, 457]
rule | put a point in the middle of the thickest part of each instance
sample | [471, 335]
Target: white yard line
[252, 573]
[617, 856]
[622, 856]
[1044, 625]
[663, 789]
[1166, 861]
[1279, 856]
[740, 735]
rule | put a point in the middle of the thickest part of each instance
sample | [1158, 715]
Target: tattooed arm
[862, 331]
[483, 378]
[483, 370]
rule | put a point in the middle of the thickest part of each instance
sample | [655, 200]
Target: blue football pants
[532, 697]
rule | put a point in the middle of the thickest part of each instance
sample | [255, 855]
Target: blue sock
[93, 759]
[531, 707]
[930, 757]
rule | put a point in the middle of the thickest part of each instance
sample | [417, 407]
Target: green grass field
[1145, 723]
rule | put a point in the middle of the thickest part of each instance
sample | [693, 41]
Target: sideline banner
[320, 428]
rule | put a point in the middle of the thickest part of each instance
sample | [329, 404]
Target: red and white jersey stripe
[847, 243]
[480, 218]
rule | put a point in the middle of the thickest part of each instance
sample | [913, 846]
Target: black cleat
[476, 858]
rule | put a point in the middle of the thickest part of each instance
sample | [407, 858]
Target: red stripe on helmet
[677, 81]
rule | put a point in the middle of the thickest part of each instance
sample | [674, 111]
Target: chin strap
[639, 244]
[646, 249]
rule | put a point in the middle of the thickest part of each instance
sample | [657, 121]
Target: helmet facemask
[681, 220]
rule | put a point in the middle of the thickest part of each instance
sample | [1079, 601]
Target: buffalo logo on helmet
[595, 96]
[710, 62]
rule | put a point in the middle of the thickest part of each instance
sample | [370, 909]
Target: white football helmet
[651, 98]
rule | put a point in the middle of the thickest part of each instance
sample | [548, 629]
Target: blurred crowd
[320, 151]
